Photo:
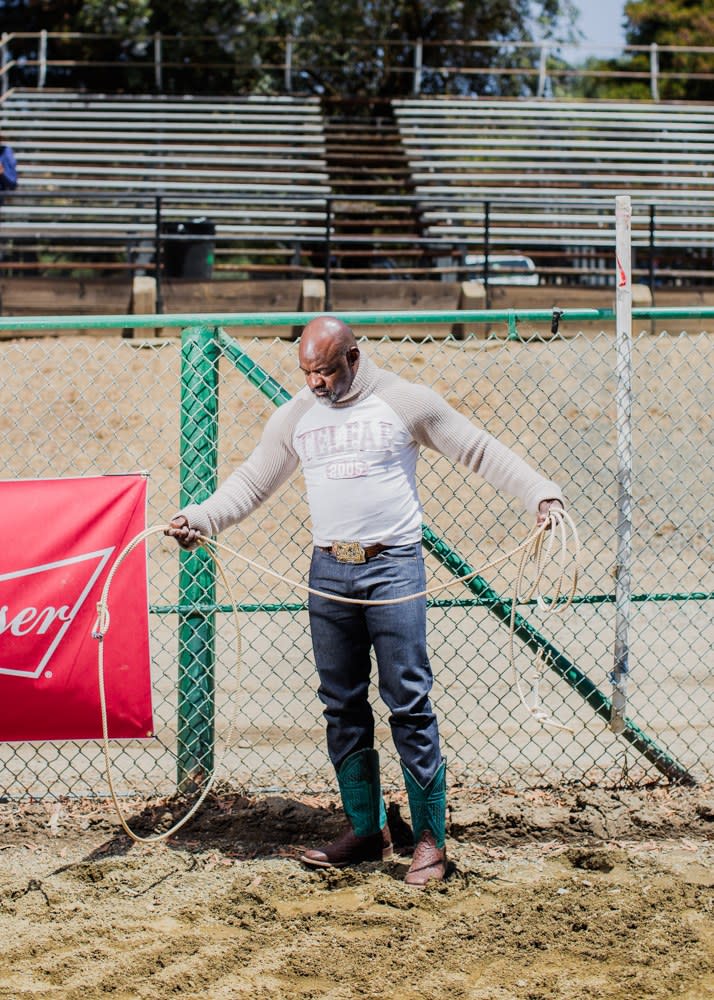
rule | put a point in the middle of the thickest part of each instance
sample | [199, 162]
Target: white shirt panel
[359, 464]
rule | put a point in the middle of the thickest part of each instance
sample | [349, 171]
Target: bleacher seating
[458, 176]
[550, 170]
[92, 167]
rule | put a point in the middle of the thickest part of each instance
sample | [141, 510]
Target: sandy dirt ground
[551, 895]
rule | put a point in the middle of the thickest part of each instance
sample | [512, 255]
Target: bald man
[356, 429]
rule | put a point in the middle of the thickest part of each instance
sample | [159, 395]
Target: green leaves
[128, 18]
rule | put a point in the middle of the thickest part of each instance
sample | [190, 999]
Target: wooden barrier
[78, 297]
[65, 297]
[396, 295]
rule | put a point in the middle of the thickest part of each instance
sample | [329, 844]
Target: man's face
[329, 372]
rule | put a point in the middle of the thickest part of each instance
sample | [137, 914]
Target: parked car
[503, 269]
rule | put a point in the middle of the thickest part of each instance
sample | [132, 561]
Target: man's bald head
[325, 332]
[329, 357]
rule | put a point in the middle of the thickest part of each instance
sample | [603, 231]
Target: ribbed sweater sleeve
[429, 418]
[263, 472]
[436, 424]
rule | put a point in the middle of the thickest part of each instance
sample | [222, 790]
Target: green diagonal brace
[575, 677]
[271, 388]
[197, 581]
[579, 681]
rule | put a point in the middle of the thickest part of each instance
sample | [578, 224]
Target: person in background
[8, 167]
[356, 430]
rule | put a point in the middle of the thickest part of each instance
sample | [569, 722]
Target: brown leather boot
[349, 849]
[428, 863]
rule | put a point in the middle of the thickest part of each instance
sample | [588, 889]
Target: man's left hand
[544, 508]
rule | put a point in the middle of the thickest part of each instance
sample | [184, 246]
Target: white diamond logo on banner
[22, 621]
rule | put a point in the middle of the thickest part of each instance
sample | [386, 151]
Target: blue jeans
[342, 636]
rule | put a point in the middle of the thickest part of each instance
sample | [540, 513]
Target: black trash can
[189, 248]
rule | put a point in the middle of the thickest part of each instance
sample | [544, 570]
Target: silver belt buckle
[348, 552]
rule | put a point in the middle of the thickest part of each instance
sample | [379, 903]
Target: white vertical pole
[158, 62]
[42, 70]
[418, 62]
[4, 60]
[623, 344]
[289, 64]
[654, 71]
[542, 70]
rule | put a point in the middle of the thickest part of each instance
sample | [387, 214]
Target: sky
[601, 23]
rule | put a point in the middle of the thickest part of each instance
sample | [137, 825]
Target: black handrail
[165, 204]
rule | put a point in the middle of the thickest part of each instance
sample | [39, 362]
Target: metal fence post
[651, 262]
[623, 344]
[654, 71]
[542, 70]
[158, 254]
[42, 68]
[486, 248]
[418, 63]
[4, 60]
[328, 254]
[289, 64]
[158, 62]
[197, 579]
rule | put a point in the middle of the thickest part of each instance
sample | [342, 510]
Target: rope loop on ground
[537, 548]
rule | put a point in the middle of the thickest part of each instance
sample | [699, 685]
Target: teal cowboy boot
[368, 837]
[427, 805]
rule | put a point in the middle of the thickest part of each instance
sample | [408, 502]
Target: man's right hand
[186, 536]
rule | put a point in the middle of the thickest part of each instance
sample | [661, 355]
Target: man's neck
[362, 384]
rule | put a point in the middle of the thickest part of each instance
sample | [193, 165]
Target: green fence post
[197, 579]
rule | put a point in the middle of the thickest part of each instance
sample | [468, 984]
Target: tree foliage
[679, 23]
[688, 23]
[362, 48]
[127, 18]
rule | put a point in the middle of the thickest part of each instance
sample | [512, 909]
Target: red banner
[61, 538]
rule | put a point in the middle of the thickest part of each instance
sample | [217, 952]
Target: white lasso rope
[99, 631]
[557, 528]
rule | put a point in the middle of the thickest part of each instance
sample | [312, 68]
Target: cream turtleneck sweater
[359, 458]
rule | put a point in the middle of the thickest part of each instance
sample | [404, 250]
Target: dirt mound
[551, 894]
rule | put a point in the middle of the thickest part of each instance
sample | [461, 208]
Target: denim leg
[341, 646]
[342, 636]
[398, 634]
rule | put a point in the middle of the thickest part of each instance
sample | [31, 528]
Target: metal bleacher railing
[83, 231]
[161, 61]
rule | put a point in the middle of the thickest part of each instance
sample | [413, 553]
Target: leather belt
[353, 552]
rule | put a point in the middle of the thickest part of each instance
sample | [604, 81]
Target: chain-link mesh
[90, 406]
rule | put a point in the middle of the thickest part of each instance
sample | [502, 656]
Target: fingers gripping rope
[557, 529]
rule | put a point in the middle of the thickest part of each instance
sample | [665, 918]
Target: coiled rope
[557, 529]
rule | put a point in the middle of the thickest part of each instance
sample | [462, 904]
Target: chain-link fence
[82, 406]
